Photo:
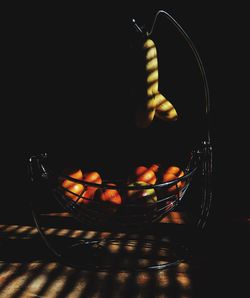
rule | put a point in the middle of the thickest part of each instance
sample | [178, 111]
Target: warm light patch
[114, 247]
[183, 280]
[63, 232]
[23, 229]
[79, 287]
[162, 252]
[90, 234]
[143, 278]
[146, 249]
[58, 214]
[14, 231]
[183, 267]
[76, 234]
[50, 231]
[131, 246]
[9, 228]
[163, 279]
[55, 288]
[143, 263]
[174, 217]
[122, 277]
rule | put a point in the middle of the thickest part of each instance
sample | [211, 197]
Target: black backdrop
[63, 63]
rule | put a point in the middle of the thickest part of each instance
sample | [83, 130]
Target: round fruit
[147, 196]
[110, 198]
[167, 177]
[76, 175]
[111, 195]
[154, 167]
[144, 174]
[175, 170]
[75, 191]
[93, 177]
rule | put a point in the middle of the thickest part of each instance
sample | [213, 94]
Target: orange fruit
[77, 190]
[154, 167]
[144, 174]
[111, 195]
[93, 177]
[141, 195]
[110, 199]
[76, 175]
[167, 177]
[175, 170]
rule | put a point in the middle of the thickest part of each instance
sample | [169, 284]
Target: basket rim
[107, 185]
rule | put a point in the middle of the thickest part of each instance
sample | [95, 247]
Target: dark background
[65, 61]
[63, 96]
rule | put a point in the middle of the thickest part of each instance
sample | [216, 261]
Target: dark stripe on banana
[156, 104]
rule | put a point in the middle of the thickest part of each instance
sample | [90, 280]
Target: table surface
[28, 269]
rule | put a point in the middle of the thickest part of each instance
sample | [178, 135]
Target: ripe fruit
[167, 177]
[154, 167]
[165, 110]
[76, 175]
[142, 203]
[172, 173]
[111, 195]
[90, 190]
[156, 104]
[175, 170]
[77, 190]
[145, 196]
[110, 198]
[144, 174]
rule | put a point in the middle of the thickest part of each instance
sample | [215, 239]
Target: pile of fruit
[110, 199]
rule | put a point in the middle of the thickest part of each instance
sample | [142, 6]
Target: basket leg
[207, 160]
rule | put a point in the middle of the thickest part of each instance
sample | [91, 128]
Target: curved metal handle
[36, 169]
[198, 59]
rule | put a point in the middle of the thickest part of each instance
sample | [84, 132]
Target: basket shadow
[92, 249]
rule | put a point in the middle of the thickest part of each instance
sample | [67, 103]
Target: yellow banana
[156, 104]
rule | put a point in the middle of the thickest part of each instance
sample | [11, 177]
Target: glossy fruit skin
[141, 203]
[175, 170]
[90, 190]
[78, 174]
[170, 174]
[170, 177]
[75, 190]
[141, 196]
[154, 167]
[143, 174]
[111, 195]
[156, 103]
[110, 199]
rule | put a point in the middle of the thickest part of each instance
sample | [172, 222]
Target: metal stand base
[132, 252]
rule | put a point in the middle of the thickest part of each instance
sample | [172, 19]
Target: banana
[156, 104]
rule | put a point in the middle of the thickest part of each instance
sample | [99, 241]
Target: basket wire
[133, 215]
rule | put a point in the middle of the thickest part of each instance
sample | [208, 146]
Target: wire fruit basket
[136, 206]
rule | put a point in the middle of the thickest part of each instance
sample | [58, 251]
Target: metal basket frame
[201, 159]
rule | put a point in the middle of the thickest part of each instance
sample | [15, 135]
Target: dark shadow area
[61, 77]
[215, 262]
[74, 75]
